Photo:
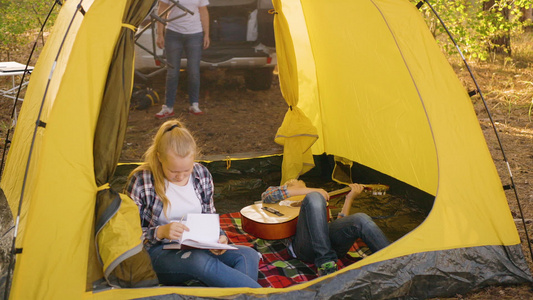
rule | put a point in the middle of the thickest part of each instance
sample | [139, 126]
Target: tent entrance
[239, 183]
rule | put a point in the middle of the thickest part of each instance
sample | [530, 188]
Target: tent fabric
[401, 130]
[374, 281]
[54, 223]
[342, 171]
[42, 93]
[443, 273]
[65, 96]
[395, 90]
[117, 241]
[297, 133]
[377, 91]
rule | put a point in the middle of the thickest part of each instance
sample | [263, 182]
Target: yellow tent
[364, 80]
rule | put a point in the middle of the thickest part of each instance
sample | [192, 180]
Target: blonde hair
[171, 136]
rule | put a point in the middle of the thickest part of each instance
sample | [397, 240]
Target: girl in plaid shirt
[168, 186]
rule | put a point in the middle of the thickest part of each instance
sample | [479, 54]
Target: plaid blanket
[277, 268]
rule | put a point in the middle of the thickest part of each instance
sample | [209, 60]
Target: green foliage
[476, 30]
[18, 20]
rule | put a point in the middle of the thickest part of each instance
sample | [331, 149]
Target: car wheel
[259, 79]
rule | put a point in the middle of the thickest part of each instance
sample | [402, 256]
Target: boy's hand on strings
[356, 190]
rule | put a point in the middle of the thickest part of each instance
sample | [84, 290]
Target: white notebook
[204, 232]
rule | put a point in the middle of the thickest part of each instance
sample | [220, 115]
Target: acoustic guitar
[274, 221]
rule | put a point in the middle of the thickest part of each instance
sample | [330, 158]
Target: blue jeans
[318, 242]
[175, 44]
[234, 268]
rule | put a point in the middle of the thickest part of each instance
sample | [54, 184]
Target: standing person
[185, 32]
[317, 241]
[168, 186]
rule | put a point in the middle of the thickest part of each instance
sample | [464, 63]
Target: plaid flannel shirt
[275, 194]
[141, 189]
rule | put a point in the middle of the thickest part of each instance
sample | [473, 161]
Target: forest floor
[239, 122]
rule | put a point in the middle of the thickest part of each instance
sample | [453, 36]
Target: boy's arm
[356, 190]
[277, 193]
[297, 191]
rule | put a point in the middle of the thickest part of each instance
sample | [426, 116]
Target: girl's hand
[171, 231]
[207, 42]
[222, 240]
[160, 41]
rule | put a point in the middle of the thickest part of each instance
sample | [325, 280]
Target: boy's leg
[311, 242]
[345, 231]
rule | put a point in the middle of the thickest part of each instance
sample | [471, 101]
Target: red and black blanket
[278, 269]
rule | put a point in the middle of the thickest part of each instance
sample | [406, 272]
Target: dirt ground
[239, 122]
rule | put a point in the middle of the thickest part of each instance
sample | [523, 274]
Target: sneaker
[195, 110]
[327, 268]
[165, 112]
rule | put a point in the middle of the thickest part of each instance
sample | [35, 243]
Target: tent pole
[10, 265]
[13, 116]
[478, 90]
[13, 111]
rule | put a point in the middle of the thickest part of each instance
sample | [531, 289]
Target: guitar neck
[340, 191]
[374, 188]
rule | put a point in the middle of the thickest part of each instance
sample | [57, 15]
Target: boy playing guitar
[317, 241]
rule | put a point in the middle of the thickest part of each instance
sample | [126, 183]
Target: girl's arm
[204, 19]
[135, 189]
[160, 31]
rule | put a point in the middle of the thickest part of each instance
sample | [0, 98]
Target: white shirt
[187, 24]
[183, 200]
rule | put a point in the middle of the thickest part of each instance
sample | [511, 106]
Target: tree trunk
[500, 43]
[527, 14]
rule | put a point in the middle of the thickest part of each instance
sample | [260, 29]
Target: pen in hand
[176, 229]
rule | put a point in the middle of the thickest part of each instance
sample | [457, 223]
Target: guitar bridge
[272, 211]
